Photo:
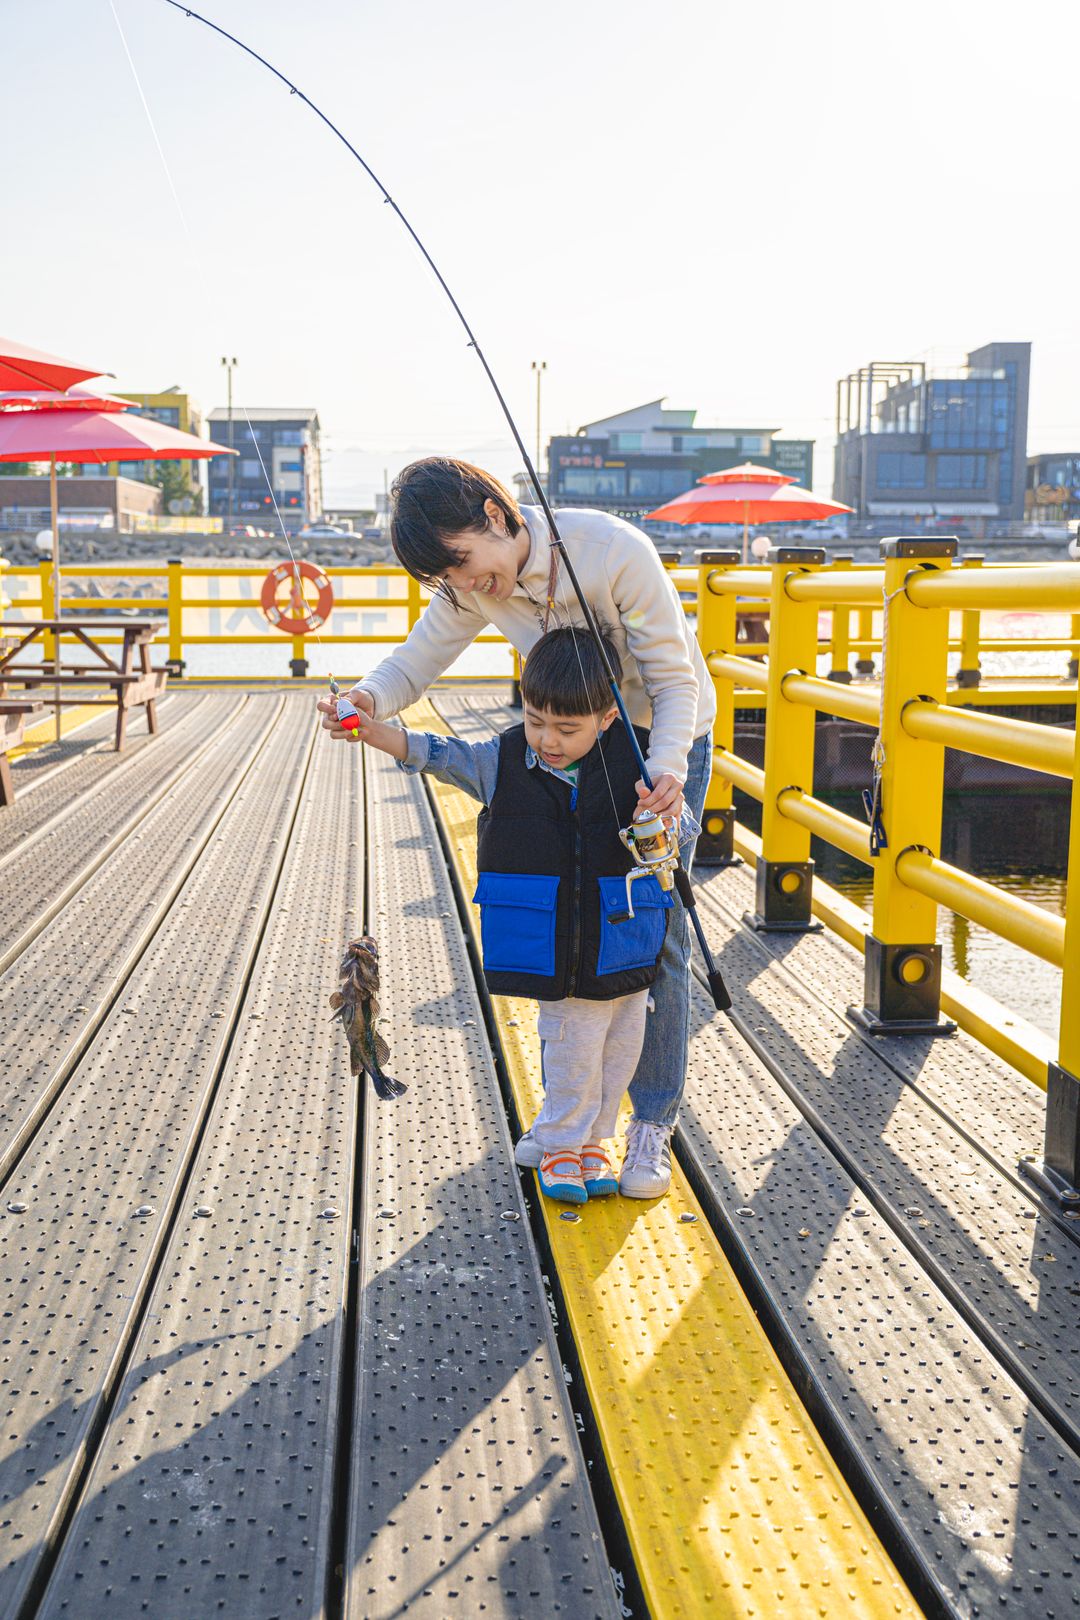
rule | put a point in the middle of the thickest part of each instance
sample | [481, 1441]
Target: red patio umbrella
[83, 436]
[746, 494]
[48, 399]
[21, 367]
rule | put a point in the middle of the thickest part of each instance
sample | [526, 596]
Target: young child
[552, 875]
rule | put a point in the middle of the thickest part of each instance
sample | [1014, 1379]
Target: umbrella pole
[54, 513]
[746, 532]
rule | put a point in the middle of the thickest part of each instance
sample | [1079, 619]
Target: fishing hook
[720, 996]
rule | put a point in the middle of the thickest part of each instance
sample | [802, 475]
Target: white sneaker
[528, 1152]
[646, 1167]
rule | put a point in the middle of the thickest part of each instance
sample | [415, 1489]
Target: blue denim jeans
[657, 1087]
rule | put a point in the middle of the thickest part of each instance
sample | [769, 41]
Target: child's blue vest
[552, 873]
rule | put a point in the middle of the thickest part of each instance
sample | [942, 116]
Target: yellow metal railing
[915, 714]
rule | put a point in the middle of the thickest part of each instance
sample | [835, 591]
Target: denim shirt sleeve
[473, 767]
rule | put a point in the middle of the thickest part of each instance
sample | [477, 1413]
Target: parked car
[324, 531]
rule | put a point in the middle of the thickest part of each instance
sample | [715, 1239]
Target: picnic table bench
[129, 686]
[14, 714]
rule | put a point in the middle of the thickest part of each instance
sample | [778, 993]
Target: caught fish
[357, 1009]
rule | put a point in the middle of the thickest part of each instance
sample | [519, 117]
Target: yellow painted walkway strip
[732, 1503]
[44, 731]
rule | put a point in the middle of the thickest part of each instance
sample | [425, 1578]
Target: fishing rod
[667, 863]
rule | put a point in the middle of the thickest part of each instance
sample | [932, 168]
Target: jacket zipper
[575, 938]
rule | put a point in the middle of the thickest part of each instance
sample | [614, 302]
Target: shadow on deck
[274, 1348]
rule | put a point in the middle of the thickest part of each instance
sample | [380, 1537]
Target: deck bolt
[912, 1209]
[16, 1207]
[687, 1216]
[143, 1211]
[569, 1215]
[329, 1214]
[509, 1215]
[744, 1210]
[386, 1215]
[204, 1209]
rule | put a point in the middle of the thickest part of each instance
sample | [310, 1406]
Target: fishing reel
[654, 845]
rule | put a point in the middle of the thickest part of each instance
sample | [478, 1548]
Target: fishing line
[197, 260]
[682, 881]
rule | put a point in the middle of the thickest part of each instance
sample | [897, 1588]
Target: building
[917, 445]
[632, 462]
[177, 410]
[1053, 488]
[278, 452]
[83, 502]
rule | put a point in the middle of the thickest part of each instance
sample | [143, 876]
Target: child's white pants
[590, 1052]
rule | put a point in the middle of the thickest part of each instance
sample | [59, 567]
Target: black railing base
[870, 1024]
[298, 667]
[175, 667]
[716, 841]
[782, 895]
[901, 991]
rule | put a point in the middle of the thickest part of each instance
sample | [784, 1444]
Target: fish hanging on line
[357, 1010]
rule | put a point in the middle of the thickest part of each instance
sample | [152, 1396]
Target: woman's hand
[666, 796]
[362, 701]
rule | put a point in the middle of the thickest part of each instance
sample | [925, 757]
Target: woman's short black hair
[433, 502]
[565, 674]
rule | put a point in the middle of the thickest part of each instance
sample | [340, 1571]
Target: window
[626, 441]
[750, 444]
[607, 481]
[288, 436]
[960, 472]
[657, 483]
[899, 470]
[291, 466]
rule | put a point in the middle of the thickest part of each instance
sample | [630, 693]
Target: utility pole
[539, 366]
[229, 364]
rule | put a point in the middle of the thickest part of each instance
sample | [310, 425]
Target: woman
[490, 562]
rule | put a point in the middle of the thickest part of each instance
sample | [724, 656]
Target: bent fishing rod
[717, 987]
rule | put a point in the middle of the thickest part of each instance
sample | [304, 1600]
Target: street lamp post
[539, 367]
[229, 364]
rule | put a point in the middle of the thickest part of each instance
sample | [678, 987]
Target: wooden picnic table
[14, 714]
[130, 686]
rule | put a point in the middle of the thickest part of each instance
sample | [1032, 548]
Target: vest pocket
[517, 921]
[637, 942]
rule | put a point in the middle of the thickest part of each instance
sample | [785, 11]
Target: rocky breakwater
[155, 550]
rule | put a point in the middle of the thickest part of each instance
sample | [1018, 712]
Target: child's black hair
[565, 674]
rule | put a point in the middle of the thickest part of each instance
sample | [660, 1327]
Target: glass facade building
[277, 468]
[915, 445]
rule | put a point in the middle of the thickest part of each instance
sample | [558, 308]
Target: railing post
[412, 600]
[50, 644]
[515, 682]
[175, 661]
[1072, 668]
[840, 640]
[1058, 1172]
[902, 984]
[864, 623]
[716, 632]
[970, 671]
[784, 875]
[298, 664]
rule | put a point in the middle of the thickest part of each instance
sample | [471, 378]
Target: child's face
[563, 739]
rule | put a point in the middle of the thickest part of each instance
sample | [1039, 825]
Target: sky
[730, 206]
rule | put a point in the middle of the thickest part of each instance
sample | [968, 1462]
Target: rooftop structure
[630, 462]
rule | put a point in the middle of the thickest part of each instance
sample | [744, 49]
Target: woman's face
[491, 557]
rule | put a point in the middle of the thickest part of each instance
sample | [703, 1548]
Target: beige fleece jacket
[666, 686]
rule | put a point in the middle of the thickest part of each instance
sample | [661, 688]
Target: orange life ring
[300, 620]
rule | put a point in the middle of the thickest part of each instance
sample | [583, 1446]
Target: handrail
[917, 714]
[1026, 925]
[1014, 742]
